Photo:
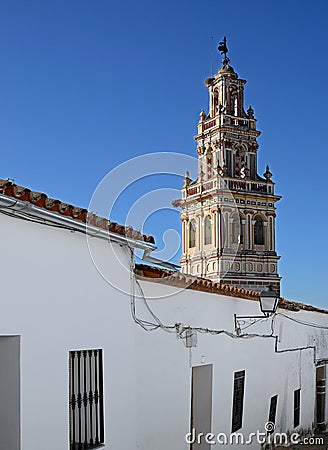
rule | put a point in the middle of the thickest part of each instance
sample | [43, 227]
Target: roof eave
[20, 207]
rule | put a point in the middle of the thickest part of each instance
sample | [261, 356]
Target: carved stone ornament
[187, 179]
[250, 112]
[202, 116]
[267, 174]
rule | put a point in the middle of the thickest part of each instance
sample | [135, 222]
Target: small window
[297, 407]
[241, 235]
[238, 400]
[192, 234]
[228, 163]
[209, 168]
[207, 230]
[235, 106]
[252, 166]
[237, 234]
[233, 102]
[259, 232]
[273, 410]
[86, 408]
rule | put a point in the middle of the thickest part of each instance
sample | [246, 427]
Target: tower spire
[229, 210]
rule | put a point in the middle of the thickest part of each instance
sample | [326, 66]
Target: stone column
[248, 229]
[226, 243]
[217, 227]
[184, 220]
[271, 230]
[265, 233]
[199, 235]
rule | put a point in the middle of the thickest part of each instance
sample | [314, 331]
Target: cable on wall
[184, 331]
[178, 328]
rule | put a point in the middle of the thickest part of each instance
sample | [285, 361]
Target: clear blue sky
[86, 85]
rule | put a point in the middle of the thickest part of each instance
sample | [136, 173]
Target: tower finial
[223, 49]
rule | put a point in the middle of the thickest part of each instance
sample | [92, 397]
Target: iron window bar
[86, 399]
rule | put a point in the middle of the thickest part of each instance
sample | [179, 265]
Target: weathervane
[223, 49]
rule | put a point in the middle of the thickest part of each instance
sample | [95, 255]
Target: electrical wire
[182, 331]
[150, 326]
[146, 325]
[303, 322]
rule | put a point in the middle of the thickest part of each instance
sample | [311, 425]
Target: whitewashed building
[96, 352]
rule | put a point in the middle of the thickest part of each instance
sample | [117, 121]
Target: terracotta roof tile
[165, 276]
[151, 273]
[41, 200]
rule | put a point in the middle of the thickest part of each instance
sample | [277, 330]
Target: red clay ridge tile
[21, 193]
[79, 213]
[152, 273]
[41, 200]
[65, 209]
[38, 198]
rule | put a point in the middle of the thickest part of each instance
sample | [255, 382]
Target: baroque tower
[228, 212]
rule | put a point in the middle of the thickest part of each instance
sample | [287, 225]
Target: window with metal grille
[297, 407]
[273, 410]
[86, 399]
[238, 400]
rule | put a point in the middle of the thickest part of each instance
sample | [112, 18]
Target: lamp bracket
[241, 320]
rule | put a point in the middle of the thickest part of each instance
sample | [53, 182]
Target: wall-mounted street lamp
[268, 301]
[268, 304]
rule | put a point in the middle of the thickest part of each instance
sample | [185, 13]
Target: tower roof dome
[226, 69]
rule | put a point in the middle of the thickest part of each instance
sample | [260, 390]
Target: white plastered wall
[54, 298]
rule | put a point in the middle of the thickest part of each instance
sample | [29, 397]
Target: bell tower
[228, 212]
